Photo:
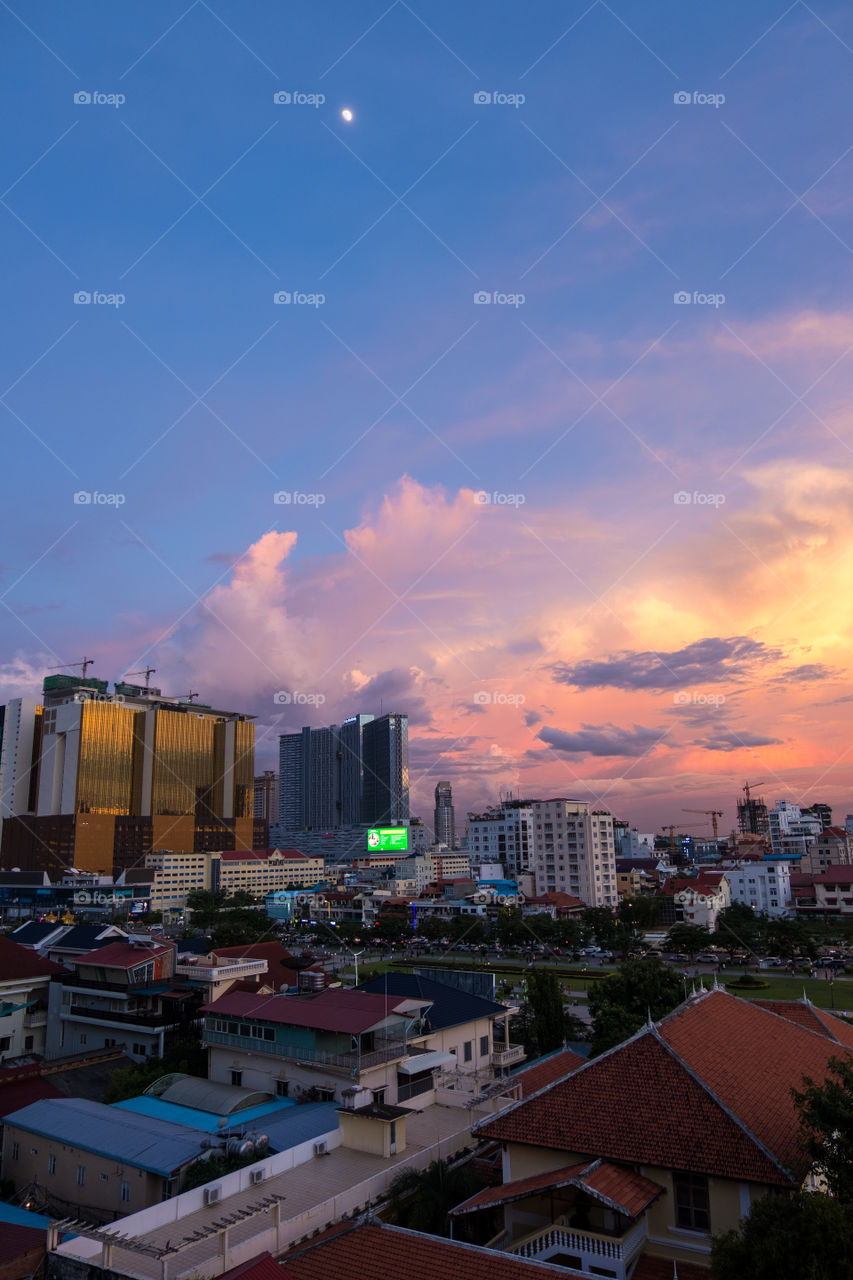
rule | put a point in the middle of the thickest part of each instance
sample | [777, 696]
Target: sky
[519, 400]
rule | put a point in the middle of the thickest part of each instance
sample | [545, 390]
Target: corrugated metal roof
[302, 1123]
[451, 1007]
[141, 1141]
[209, 1095]
[330, 1010]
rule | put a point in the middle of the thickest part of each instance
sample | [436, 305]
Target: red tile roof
[262, 1267]
[836, 875]
[750, 1059]
[639, 1105]
[17, 1094]
[334, 1009]
[620, 1189]
[17, 962]
[16, 1241]
[374, 1252]
[806, 1015]
[121, 955]
[538, 1074]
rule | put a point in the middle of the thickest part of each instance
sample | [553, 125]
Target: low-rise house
[764, 886]
[124, 993]
[833, 891]
[318, 1045]
[24, 988]
[696, 899]
[661, 1142]
[833, 847]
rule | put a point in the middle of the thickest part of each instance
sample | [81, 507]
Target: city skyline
[516, 401]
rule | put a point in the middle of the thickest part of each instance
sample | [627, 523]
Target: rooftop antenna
[189, 696]
[148, 673]
[85, 664]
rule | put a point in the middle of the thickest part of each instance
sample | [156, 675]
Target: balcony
[222, 972]
[507, 1055]
[112, 1017]
[394, 1049]
[36, 1018]
[591, 1252]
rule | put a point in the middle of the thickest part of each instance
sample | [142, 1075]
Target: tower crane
[85, 664]
[148, 672]
[713, 814]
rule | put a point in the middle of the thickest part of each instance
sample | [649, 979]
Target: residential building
[266, 796]
[385, 798]
[99, 1163]
[696, 900]
[503, 834]
[124, 993]
[792, 831]
[765, 886]
[634, 845]
[64, 943]
[447, 865]
[832, 848]
[444, 824]
[573, 851]
[115, 775]
[833, 891]
[603, 1172]
[821, 811]
[24, 987]
[324, 1043]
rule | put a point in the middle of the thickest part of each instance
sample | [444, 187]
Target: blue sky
[596, 199]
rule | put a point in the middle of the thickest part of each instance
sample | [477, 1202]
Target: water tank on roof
[312, 980]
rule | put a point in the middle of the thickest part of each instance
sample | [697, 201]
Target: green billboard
[388, 840]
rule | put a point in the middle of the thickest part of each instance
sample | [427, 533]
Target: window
[15, 1150]
[5, 1042]
[125, 1192]
[379, 1097]
[28, 1043]
[484, 1046]
[34, 1151]
[237, 1078]
[281, 1088]
[105, 1177]
[468, 1050]
[51, 1164]
[140, 1049]
[81, 1175]
[692, 1210]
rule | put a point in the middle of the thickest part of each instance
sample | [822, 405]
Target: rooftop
[450, 1006]
[334, 1009]
[141, 1141]
[19, 963]
[619, 1189]
[261, 855]
[544, 1072]
[123, 955]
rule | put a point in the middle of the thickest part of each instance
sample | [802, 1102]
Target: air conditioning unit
[321, 1149]
[212, 1194]
[257, 1175]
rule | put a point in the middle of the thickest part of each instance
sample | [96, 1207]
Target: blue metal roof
[192, 1118]
[301, 1123]
[451, 1006]
[141, 1141]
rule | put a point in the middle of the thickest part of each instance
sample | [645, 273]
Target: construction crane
[713, 814]
[672, 828]
[747, 785]
[148, 672]
[85, 664]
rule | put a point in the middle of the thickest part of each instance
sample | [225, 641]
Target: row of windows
[81, 1170]
[241, 1029]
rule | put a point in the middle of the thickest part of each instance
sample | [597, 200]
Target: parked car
[770, 962]
[706, 957]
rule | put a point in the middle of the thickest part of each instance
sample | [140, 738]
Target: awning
[425, 1062]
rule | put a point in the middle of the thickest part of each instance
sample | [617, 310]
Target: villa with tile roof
[661, 1142]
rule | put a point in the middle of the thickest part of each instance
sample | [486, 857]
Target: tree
[420, 1198]
[689, 937]
[184, 1056]
[806, 1236]
[640, 912]
[622, 1002]
[206, 906]
[826, 1126]
[430, 928]
[602, 923]
[549, 1025]
[391, 928]
[739, 927]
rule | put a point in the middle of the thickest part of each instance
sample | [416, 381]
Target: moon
[347, 115]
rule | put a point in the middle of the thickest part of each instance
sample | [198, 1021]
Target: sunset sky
[654, 603]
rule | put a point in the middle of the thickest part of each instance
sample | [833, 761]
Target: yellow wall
[364, 1133]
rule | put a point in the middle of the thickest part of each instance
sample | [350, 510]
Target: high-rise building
[444, 824]
[352, 768]
[266, 796]
[574, 851]
[793, 831]
[97, 780]
[385, 798]
[822, 811]
[503, 834]
[310, 780]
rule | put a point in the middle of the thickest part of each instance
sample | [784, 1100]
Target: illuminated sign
[388, 840]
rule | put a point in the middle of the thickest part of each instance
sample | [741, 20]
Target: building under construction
[752, 817]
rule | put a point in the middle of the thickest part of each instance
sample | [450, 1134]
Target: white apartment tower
[502, 835]
[574, 851]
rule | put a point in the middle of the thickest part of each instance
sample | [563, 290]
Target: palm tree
[420, 1198]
